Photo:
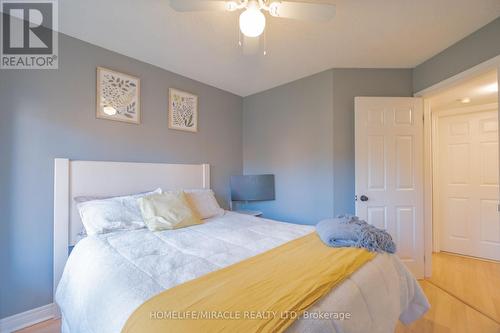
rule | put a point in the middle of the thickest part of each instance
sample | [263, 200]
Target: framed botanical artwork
[182, 110]
[118, 96]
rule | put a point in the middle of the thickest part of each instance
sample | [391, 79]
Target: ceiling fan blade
[197, 5]
[305, 11]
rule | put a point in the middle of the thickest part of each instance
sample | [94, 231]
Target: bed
[119, 271]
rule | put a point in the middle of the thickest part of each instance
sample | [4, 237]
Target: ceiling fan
[252, 20]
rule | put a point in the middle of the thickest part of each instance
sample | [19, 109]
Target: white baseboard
[28, 318]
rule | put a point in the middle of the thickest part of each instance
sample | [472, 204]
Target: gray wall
[51, 113]
[287, 131]
[347, 84]
[474, 49]
[303, 132]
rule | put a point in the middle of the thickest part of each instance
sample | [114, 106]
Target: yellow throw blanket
[265, 293]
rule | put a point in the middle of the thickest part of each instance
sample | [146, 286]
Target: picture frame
[182, 110]
[118, 96]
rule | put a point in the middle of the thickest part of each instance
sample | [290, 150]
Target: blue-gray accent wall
[287, 131]
[347, 84]
[478, 47]
[51, 113]
[303, 133]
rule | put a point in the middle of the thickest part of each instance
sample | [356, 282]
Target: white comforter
[107, 277]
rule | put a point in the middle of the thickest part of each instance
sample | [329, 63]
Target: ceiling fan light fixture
[274, 8]
[252, 21]
[231, 6]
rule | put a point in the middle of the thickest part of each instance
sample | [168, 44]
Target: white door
[389, 172]
[467, 169]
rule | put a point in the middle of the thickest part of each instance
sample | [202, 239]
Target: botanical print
[183, 111]
[118, 96]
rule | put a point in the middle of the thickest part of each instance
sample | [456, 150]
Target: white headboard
[93, 178]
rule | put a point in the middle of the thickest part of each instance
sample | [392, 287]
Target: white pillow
[116, 213]
[204, 203]
[84, 198]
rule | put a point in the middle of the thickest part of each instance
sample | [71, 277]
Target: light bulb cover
[252, 22]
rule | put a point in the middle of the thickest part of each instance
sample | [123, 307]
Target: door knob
[363, 198]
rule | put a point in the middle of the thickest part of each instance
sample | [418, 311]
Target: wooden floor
[475, 282]
[464, 294]
[49, 326]
[448, 315]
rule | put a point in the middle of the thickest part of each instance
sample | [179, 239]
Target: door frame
[429, 236]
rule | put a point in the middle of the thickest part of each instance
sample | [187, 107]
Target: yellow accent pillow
[166, 211]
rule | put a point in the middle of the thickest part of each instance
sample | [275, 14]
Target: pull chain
[265, 42]
[240, 44]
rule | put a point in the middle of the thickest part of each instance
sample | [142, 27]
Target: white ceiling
[203, 45]
[479, 90]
